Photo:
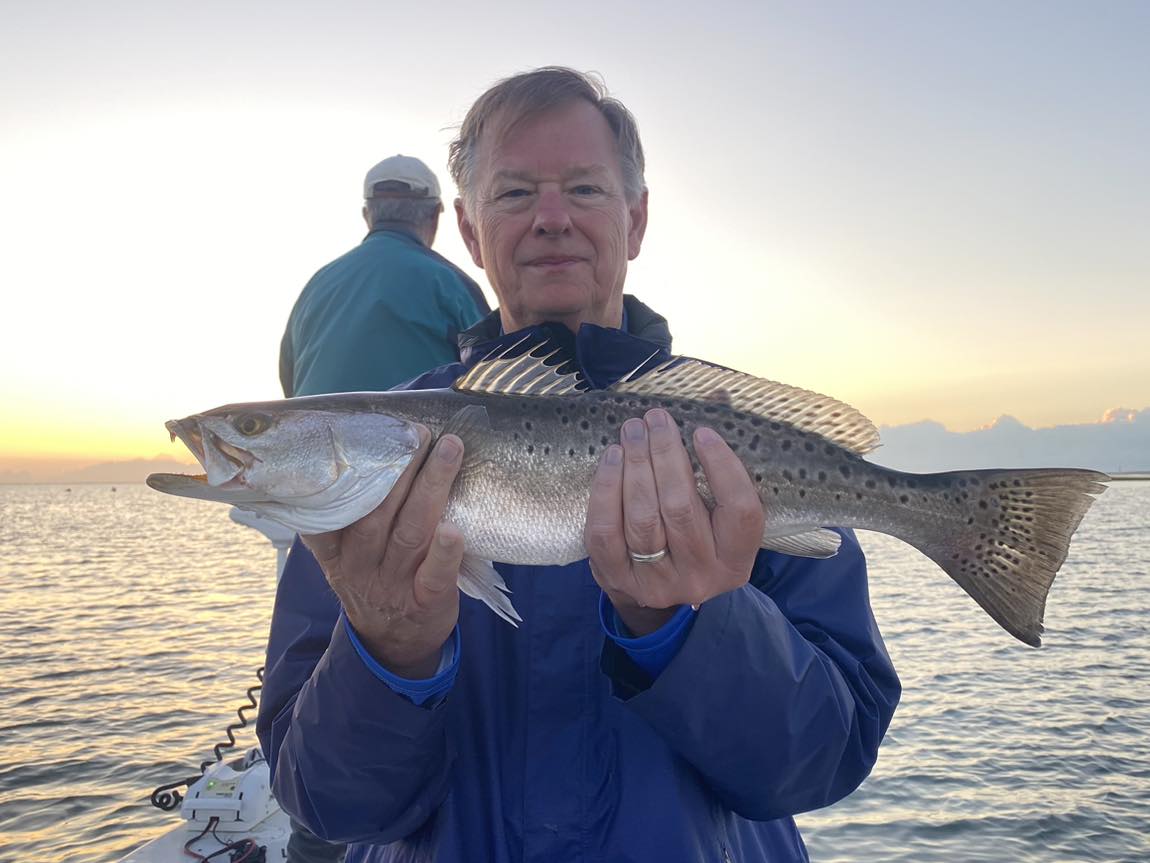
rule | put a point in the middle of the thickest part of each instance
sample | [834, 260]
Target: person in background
[679, 695]
[390, 308]
[377, 316]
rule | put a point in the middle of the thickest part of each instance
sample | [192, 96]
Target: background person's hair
[515, 99]
[412, 211]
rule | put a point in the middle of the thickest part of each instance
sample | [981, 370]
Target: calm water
[131, 624]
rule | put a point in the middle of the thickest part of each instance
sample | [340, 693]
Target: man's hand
[644, 498]
[395, 570]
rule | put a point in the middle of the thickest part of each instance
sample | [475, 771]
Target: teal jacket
[381, 314]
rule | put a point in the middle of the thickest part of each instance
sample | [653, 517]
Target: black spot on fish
[584, 425]
[809, 447]
[870, 483]
[546, 450]
[982, 504]
[756, 422]
[903, 498]
[710, 409]
[822, 476]
[845, 471]
[802, 473]
[758, 477]
[527, 425]
[571, 452]
[787, 476]
[604, 440]
[611, 418]
[593, 410]
[802, 492]
[829, 450]
[591, 450]
[566, 419]
[728, 425]
[776, 426]
[754, 443]
[530, 449]
[786, 444]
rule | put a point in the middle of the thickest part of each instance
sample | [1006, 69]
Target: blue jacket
[553, 744]
[381, 314]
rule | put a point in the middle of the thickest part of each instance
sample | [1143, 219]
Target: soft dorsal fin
[524, 374]
[806, 411]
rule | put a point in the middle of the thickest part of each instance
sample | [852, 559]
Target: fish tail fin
[1008, 540]
[479, 580]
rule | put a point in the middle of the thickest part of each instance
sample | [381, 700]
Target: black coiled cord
[236, 726]
[165, 797]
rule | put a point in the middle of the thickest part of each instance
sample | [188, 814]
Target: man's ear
[638, 214]
[366, 216]
[467, 231]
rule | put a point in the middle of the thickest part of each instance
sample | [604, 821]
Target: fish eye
[251, 424]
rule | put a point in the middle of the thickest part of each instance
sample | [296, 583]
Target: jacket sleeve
[783, 690]
[351, 759]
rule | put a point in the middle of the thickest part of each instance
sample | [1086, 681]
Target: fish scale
[533, 435]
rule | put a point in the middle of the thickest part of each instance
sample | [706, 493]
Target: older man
[389, 309]
[677, 696]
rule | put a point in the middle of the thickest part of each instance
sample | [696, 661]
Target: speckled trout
[533, 434]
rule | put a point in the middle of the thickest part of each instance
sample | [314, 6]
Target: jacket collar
[603, 354]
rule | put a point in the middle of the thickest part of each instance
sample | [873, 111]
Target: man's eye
[512, 193]
[586, 190]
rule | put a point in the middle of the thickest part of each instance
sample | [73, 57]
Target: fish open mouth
[223, 463]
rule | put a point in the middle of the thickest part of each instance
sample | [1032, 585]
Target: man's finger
[365, 541]
[642, 522]
[423, 509]
[437, 576]
[685, 517]
[737, 519]
[603, 532]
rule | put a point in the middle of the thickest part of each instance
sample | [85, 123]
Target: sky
[928, 210]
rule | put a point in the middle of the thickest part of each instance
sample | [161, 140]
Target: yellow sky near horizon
[930, 213]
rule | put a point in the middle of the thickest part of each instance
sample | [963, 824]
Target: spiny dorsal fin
[806, 411]
[527, 374]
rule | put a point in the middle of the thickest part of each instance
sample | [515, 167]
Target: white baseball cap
[411, 172]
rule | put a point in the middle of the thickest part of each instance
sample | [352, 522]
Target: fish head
[309, 468]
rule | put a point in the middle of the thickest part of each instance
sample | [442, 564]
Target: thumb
[437, 576]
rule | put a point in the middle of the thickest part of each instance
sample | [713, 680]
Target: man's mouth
[554, 261]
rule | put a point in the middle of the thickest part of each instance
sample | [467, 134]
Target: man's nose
[551, 216]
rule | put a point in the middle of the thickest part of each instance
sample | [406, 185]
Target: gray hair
[515, 99]
[411, 211]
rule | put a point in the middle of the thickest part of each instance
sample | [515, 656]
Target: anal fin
[817, 542]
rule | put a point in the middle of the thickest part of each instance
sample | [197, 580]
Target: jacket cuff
[428, 691]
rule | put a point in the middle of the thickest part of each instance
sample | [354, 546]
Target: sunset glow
[927, 211]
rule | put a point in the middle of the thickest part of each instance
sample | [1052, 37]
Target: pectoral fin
[479, 580]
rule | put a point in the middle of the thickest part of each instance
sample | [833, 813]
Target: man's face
[550, 223]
